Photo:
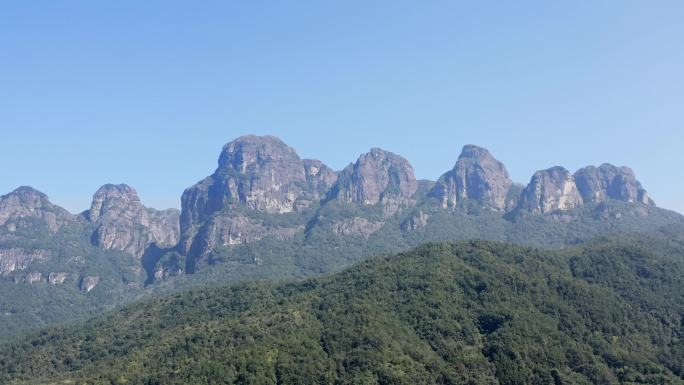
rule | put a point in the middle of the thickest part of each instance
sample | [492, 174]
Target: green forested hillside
[28, 306]
[472, 312]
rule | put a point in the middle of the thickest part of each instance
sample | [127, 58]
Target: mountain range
[265, 213]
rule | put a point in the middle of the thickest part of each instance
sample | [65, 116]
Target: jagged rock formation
[476, 176]
[255, 173]
[319, 178]
[513, 196]
[598, 184]
[27, 202]
[226, 230]
[378, 176]
[551, 190]
[16, 258]
[378, 180]
[88, 283]
[262, 188]
[124, 224]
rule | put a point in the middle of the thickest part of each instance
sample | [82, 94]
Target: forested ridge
[471, 312]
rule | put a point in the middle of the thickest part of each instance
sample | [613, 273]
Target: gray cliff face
[377, 177]
[226, 230]
[551, 190]
[476, 176]
[18, 259]
[260, 173]
[27, 202]
[124, 224]
[598, 184]
[319, 177]
[255, 173]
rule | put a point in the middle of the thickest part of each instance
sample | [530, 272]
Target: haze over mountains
[266, 213]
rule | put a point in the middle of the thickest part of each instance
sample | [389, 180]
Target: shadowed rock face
[551, 190]
[598, 184]
[27, 202]
[259, 173]
[476, 176]
[124, 224]
[377, 177]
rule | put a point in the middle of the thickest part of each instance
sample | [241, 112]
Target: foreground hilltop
[266, 213]
[475, 312]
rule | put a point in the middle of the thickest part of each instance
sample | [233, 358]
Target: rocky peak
[378, 176]
[124, 223]
[476, 176]
[111, 198]
[261, 173]
[551, 190]
[27, 202]
[252, 155]
[320, 176]
[598, 184]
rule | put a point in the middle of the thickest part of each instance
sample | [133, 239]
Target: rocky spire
[551, 190]
[27, 202]
[477, 176]
[598, 184]
[261, 173]
[378, 176]
[124, 224]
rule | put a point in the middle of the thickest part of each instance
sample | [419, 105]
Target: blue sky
[147, 93]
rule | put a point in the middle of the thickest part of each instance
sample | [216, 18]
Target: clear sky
[147, 92]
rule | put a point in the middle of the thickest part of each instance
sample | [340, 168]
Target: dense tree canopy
[471, 312]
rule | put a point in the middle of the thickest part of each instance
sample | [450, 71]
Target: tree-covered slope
[56, 277]
[476, 312]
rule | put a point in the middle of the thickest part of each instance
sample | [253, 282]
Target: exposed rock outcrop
[124, 224]
[551, 190]
[16, 258]
[356, 227]
[29, 278]
[88, 283]
[57, 278]
[320, 178]
[255, 173]
[477, 176]
[27, 202]
[598, 184]
[378, 176]
[416, 221]
[227, 230]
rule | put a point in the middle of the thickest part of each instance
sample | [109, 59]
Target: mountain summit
[477, 176]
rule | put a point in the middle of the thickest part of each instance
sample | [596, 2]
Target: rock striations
[263, 189]
[598, 184]
[477, 176]
[377, 177]
[123, 223]
[28, 203]
[550, 190]
[255, 174]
